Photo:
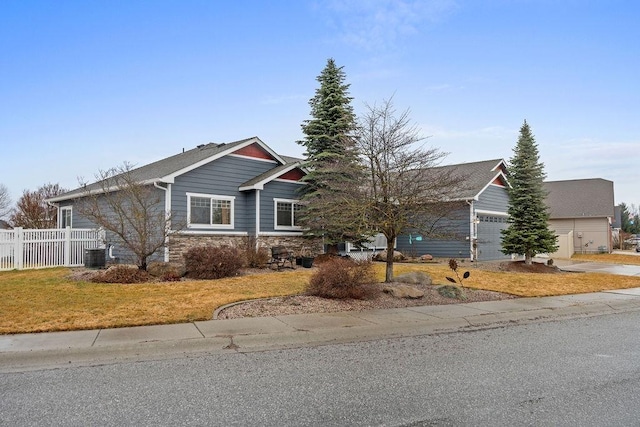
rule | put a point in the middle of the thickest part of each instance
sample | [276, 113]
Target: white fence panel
[25, 249]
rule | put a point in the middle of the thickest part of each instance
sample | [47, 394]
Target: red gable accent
[254, 150]
[292, 175]
[499, 181]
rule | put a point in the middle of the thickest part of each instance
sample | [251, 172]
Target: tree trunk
[388, 276]
[528, 258]
[333, 249]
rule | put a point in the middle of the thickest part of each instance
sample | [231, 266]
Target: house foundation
[182, 243]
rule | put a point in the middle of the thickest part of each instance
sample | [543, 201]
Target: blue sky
[87, 85]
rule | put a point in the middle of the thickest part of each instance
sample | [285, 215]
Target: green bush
[121, 274]
[213, 262]
[342, 278]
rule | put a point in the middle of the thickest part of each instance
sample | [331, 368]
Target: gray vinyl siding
[493, 198]
[455, 244]
[275, 190]
[250, 214]
[120, 252]
[77, 221]
[221, 177]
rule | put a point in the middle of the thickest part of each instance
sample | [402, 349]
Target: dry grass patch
[46, 300]
[608, 258]
[527, 284]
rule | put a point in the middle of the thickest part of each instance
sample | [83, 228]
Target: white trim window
[210, 211]
[285, 214]
[66, 217]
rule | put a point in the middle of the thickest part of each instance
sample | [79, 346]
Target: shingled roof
[580, 198]
[476, 176]
[165, 170]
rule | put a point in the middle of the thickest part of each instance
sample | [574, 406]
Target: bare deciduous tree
[5, 201]
[33, 211]
[405, 190]
[133, 212]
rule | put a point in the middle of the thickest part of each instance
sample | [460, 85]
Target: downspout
[472, 236]
[167, 210]
[257, 215]
[57, 206]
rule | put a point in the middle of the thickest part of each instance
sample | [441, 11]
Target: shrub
[171, 276]
[255, 256]
[342, 278]
[122, 274]
[451, 291]
[213, 262]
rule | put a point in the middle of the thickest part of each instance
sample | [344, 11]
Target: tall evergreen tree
[332, 162]
[528, 232]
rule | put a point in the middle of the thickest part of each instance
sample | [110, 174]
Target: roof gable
[256, 151]
[167, 169]
[476, 177]
[290, 172]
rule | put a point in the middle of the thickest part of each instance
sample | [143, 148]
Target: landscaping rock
[403, 291]
[426, 257]
[382, 256]
[414, 278]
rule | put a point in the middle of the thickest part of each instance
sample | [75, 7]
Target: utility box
[94, 258]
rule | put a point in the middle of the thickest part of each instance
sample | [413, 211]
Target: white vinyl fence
[23, 249]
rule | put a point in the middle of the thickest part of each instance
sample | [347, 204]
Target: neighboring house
[474, 231]
[222, 193]
[581, 212]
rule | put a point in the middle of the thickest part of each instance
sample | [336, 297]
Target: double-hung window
[210, 211]
[65, 217]
[286, 213]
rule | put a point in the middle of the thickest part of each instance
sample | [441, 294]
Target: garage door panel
[489, 237]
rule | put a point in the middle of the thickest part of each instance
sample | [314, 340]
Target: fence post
[67, 246]
[18, 251]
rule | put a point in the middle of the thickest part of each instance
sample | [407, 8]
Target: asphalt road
[578, 372]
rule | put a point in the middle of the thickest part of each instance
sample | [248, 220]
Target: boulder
[426, 257]
[414, 278]
[403, 291]
[382, 256]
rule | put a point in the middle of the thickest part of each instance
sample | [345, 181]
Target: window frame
[293, 204]
[62, 214]
[211, 198]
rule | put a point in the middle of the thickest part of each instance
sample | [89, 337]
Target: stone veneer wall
[180, 244]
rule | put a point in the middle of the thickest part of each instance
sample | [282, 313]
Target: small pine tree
[332, 162]
[528, 232]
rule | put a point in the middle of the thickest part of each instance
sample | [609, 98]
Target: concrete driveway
[598, 267]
